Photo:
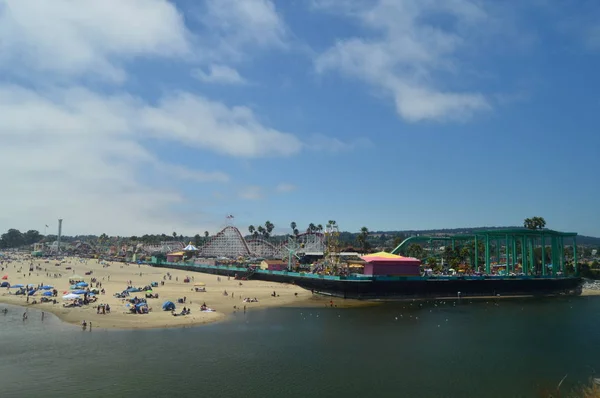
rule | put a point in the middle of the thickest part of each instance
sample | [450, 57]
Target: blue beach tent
[79, 291]
[47, 294]
[168, 306]
[4, 284]
[81, 284]
[46, 287]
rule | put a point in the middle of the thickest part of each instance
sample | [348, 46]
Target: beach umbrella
[5, 277]
[79, 291]
[70, 296]
[32, 292]
[48, 294]
[81, 284]
[46, 287]
[5, 284]
[18, 286]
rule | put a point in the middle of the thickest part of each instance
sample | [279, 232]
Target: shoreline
[222, 317]
[115, 278]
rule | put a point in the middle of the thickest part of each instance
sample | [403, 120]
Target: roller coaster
[230, 243]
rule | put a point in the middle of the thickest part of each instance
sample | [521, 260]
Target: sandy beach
[590, 292]
[114, 278]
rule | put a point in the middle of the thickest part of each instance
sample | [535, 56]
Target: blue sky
[149, 116]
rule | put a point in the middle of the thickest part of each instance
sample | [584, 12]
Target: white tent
[190, 248]
[71, 296]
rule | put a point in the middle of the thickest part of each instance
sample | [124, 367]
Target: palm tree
[362, 239]
[206, 234]
[261, 230]
[175, 235]
[320, 228]
[251, 229]
[311, 227]
[269, 227]
[293, 225]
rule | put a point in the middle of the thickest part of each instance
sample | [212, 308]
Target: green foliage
[432, 262]
[415, 250]
[14, 238]
[534, 223]
[362, 240]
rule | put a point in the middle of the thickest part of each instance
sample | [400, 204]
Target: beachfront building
[175, 257]
[274, 265]
[383, 263]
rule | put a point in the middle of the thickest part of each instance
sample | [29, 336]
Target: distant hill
[581, 239]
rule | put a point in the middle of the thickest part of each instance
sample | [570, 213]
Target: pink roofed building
[383, 263]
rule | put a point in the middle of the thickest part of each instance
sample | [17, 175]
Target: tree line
[15, 238]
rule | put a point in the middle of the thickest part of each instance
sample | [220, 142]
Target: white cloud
[76, 38]
[184, 173]
[285, 188]
[75, 154]
[405, 50]
[239, 24]
[85, 155]
[252, 192]
[318, 142]
[198, 122]
[219, 74]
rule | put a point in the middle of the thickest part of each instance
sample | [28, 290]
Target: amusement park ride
[230, 243]
[332, 240]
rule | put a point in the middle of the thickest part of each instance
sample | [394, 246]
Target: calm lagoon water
[499, 348]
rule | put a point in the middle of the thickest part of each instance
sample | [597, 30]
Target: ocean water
[498, 348]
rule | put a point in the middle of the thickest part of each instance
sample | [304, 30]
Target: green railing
[351, 277]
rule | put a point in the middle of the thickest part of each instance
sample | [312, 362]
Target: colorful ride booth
[273, 265]
[387, 264]
[188, 252]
